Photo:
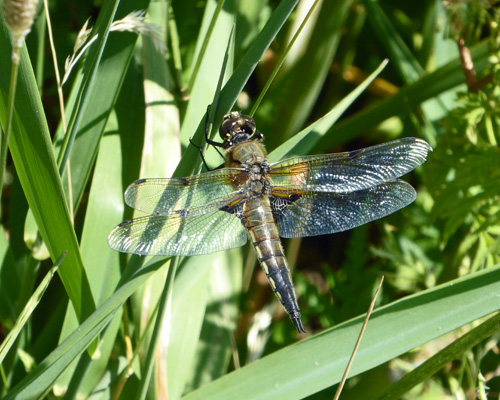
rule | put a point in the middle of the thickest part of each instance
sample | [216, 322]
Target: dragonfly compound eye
[247, 124]
[227, 127]
[236, 123]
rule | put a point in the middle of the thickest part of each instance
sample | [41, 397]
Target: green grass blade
[10, 282]
[106, 17]
[406, 64]
[445, 78]
[215, 344]
[296, 91]
[247, 65]
[189, 298]
[305, 140]
[233, 87]
[205, 84]
[408, 67]
[318, 362]
[33, 157]
[439, 360]
[208, 296]
[191, 161]
[160, 322]
[282, 58]
[206, 39]
[101, 99]
[42, 377]
[28, 309]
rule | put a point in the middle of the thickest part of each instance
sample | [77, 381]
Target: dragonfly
[251, 198]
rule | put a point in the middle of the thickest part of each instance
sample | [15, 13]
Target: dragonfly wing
[163, 196]
[180, 233]
[350, 171]
[320, 213]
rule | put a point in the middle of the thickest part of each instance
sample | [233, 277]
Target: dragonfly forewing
[163, 196]
[350, 171]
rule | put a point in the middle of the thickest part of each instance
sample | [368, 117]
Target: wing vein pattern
[324, 194]
[350, 171]
[185, 216]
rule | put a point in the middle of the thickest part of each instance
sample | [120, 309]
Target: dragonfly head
[236, 127]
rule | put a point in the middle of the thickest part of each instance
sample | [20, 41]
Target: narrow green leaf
[10, 283]
[106, 17]
[189, 300]
[439, 360]
[103, 94]
[304, 141]
[28, 309]
[236, 82]
[298, 88]
[444, 78]
[207, 77]
[247, 65]
[408, 67]
[216, 345]
[33, 157]
[319, 361]
[41, 379]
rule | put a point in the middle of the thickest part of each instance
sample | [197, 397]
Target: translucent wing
[350, 171]
[181, 233]
[320, 213]
[163, 196]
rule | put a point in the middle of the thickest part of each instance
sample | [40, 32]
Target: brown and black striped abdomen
[262, 229]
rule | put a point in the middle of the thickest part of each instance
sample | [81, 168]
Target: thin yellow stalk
[61, 100]
[356, 346]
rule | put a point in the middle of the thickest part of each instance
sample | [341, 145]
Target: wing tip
[116, 239]
[421, 142]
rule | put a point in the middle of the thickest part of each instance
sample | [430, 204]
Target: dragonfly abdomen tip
[297, 321]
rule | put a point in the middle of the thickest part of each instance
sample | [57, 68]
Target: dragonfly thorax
[257, 182]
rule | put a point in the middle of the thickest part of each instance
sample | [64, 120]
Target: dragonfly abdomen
[264, 235]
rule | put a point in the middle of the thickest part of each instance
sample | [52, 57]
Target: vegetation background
[110, 326]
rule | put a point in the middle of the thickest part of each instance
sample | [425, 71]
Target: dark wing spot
[139, 181]
[230, 209]
[407, 139]
[183, 213]
[280, 204]
[125, 223]
[184, 181]
[353, 154]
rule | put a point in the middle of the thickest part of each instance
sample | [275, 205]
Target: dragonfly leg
[207, 139]
[200, 149]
